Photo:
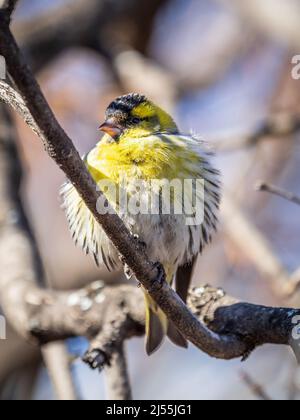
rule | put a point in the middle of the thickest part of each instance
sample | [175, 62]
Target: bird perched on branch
[142, 154]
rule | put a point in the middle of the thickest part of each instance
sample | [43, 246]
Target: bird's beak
[111, 128]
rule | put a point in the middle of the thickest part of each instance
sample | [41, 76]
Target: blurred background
[224, 70]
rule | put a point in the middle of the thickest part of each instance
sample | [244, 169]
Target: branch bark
[117, 380]
[59, 315]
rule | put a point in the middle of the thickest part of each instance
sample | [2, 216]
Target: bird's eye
[136, 120]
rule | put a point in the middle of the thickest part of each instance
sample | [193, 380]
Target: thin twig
[117, 380]
[255, 388]
[273, 189]
[274, 127]
[57, 363]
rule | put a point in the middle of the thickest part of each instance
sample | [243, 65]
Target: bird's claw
[96, 359]
[161, 275]
[142, 244]
[128, 272]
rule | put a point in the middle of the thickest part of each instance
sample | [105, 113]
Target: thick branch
[58, 315]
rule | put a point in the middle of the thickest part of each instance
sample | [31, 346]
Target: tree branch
[6, 9]
[117, 381]
[255, 388]
[274, 127]
[273, 189]
[56, 359]
[10, 97]
[59, 315]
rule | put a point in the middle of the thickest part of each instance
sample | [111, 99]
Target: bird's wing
[183, 280]
[184, 277]
[85, 230]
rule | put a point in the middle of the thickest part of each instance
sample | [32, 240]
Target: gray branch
[59, 315]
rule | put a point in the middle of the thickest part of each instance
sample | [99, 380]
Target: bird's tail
[158, 326]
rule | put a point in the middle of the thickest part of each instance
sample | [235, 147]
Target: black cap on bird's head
[118, 113]
[137, 116]
[126, 103]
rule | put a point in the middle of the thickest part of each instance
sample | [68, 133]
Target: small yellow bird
[142, 143]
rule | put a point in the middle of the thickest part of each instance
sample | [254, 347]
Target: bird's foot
[128, 272]
[96, 359]
[161, 276]
[142, 244]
